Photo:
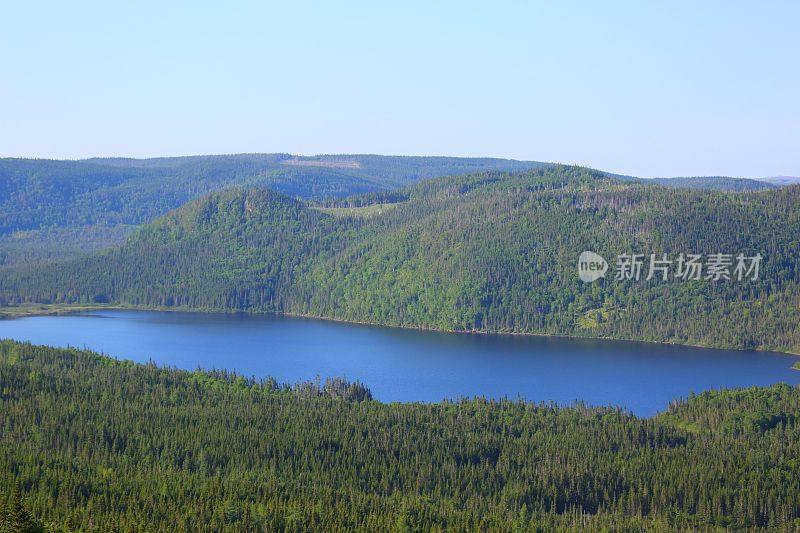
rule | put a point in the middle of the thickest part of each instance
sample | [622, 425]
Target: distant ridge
[59, 209]
[715, 183]
[54, 209]
[781, 180]
[321, 163]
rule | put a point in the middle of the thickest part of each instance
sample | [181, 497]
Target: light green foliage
[358, 212]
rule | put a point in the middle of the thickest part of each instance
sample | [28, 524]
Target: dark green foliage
[28, 247]
[716, 183]
[490, 251]
[15, 518]
[98, 444]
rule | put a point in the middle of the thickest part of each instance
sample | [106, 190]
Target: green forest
[91, 443]
[491, 251]
[54, 210]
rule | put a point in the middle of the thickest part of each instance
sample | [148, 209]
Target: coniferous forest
[491, 251]
[582, 316]
[90, 443]
[55, 210]
[95, 444]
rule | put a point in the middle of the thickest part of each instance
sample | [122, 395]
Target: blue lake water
[407, 365]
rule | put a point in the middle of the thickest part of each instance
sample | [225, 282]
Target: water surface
[407, 365]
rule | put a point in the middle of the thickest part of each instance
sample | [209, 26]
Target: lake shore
[26, 310]
[30, 310]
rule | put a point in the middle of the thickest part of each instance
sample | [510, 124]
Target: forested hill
[95, 444]
[490, 251]
[716, 183]
[55, 210]
[37, 194]
[58, 209]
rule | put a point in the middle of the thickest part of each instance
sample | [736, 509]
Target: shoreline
[31, 310]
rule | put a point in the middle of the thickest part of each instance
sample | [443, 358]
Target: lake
[408, 365]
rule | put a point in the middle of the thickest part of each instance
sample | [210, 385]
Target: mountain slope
[46, 206]
[490, 252]
[55, 210]
[213, 252]
[504, 259]
[45, 193]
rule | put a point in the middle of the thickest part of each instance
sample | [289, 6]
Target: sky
[641, 88]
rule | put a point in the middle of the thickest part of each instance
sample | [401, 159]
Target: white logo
[591, 267]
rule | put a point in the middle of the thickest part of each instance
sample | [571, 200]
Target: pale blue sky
[644, 88]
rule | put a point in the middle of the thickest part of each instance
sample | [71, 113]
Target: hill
[126, 447]
[55, 210]
[492, 251]
[52, 210]
[716, 183]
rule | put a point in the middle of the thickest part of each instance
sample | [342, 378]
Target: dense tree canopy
[88, 443]
[490, 252]
[54, 210]
[716, 183]
[97, 444]
[51, 210]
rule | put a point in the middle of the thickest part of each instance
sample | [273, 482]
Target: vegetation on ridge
[54, 210]
[489, 252]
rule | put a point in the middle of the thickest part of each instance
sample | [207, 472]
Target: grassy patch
[360, 212]
[674, 421]
[20, 311]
